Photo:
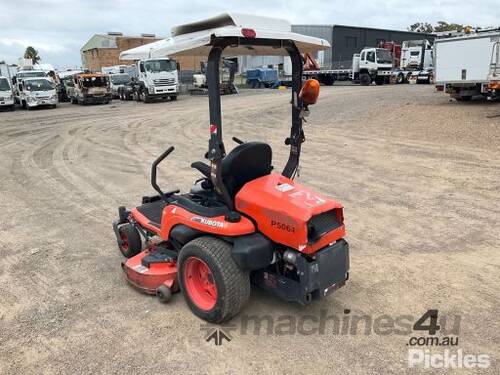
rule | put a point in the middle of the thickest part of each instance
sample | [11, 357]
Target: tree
[420, 27]
[445, 26]
[32, 54]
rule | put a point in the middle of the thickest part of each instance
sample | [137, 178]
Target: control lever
[154, 166]
[238, 141]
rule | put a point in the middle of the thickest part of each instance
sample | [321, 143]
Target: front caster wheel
[163, 293]
[129, 243]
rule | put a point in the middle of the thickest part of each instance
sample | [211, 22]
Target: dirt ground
[419, 177]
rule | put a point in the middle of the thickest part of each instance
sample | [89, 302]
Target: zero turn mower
[242, 222]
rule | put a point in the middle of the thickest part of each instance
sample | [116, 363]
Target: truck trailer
[371, 65]
[468, 65]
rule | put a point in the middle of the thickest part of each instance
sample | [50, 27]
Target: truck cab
[36, 92]
[20, 76]
[117, 82]
[372, 65]
[6, 94]
[157, 78]
[90, 88]
[416, 54]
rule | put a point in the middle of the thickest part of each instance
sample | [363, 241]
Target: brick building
[104, 49]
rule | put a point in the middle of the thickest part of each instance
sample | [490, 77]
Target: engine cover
[291, 214]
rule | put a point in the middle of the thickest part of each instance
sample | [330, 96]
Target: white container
[465, 59]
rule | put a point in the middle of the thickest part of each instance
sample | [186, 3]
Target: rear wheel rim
[124, 239]
[200, 283]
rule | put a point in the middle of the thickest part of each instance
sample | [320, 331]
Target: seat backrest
[245, 163]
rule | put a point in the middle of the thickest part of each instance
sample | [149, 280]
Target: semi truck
[370, 65]
[157, 78]
[415, 62]
[468, 65]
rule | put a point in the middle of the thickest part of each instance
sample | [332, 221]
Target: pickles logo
[210, 223]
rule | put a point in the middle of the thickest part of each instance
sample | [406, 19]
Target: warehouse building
[348, 40]
[345, 42]
[104, 49]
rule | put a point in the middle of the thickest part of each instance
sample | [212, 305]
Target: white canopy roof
[193, 39]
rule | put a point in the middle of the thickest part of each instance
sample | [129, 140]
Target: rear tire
[214, 287]
[365, 79]
[466, 98]
[131, 243]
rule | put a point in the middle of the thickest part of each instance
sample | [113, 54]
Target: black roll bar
[216, 149]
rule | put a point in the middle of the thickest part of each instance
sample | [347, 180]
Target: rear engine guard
[317, 277]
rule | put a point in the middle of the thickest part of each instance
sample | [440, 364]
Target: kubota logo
[211, 223]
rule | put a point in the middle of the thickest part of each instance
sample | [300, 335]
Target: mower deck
[148, 270]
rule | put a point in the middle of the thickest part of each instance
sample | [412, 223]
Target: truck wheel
[379, 80]
[365, 79]
[400, 78]
[130, 241]
[24, 105]
[466, 98]
[214, 287]
[173, 97]
[328, 80]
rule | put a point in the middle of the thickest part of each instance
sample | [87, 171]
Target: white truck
[6, 94]
[36, 92]
[468, 65]
[416, 62]
[20, 77]
[371, 65]
[157, 78]
[117, 82]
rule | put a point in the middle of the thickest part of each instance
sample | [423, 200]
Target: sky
[59, 28]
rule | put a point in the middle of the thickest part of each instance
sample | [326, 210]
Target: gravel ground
[419, 177]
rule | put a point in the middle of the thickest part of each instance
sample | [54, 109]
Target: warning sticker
[140, 268]
[284, 187]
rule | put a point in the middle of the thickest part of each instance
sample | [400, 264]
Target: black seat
[244, 163]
